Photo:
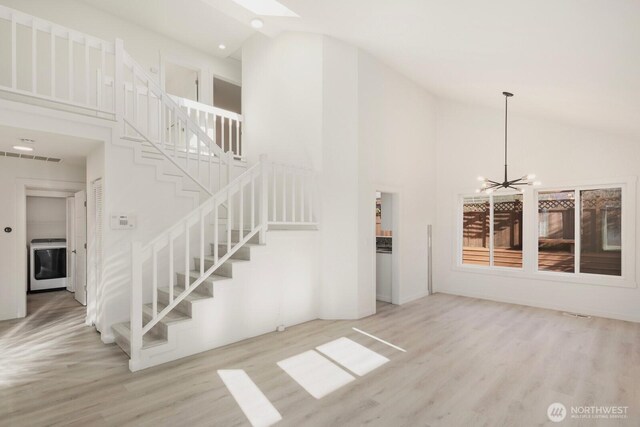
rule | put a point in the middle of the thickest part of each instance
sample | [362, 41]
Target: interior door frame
[71, 215]
[33, 187]
[204, 86]
[81, 247]
[395, 236]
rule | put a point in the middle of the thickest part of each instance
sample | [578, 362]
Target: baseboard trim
[539, 304]
[414, 297]
[384, 298]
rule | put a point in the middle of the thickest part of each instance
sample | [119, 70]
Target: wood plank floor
[469, 362]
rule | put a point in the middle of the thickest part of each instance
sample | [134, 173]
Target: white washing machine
[48, 264]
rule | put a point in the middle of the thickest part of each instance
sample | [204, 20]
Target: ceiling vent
[29, 157]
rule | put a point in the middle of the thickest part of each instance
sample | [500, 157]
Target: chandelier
[488, 185]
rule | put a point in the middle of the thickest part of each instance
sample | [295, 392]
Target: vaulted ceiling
[575, 61]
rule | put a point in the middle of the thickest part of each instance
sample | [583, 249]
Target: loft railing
[52, 63]
[225, 127]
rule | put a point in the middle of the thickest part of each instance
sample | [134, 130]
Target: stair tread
[230, 261]
[192, 297]
[173, 316]
[213, 278]
[246, 244]
[148, 340]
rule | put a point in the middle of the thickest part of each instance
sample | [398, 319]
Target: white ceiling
[70, 149]
[575, 61]
[192, 22]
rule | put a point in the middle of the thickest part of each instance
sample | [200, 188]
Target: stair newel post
[264, 195]
[118, 82]
[135, 339]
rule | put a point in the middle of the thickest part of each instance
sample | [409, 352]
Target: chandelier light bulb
[481, 178]
[477, 190]
[537, 183]
[531, 176]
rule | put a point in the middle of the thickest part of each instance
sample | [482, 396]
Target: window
[556, 229]
[492, 231]
[583, 234]
[475, 234]
[599, 234]
[507, 231]
[601, 231]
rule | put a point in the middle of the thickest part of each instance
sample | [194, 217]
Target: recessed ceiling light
[22, 148]
[266, 7]
[257, 23]
[222, 46]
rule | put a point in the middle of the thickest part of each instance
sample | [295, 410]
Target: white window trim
[529, 268]
[459, 232]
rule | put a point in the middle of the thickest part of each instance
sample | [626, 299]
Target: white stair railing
[224, 127]
[152, 115]
[101, 79]
[291, 200]
[246, 197]
[250, 199]
[74, 71]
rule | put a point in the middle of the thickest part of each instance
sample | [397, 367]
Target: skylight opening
[266, 8]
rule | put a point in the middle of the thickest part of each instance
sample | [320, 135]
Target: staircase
[200, 298]
[184, 276]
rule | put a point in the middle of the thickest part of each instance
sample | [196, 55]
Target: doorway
[386, 250]
[228, 96]
[182, 81]
[56, 244]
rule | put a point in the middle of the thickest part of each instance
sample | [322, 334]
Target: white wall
[46, 217]
[397, 140]
[13, 174]
[339, 182]
[470, 144]
[282, 98]
[131, 188]
[316, 101]
[300, 107]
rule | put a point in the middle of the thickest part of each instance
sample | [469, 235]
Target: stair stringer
[279, 285]
[183, 185]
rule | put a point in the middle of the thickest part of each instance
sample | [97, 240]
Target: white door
[81, 247]
[71, 213]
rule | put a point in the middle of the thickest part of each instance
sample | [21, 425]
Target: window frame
[491, 247]
[530, 226]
